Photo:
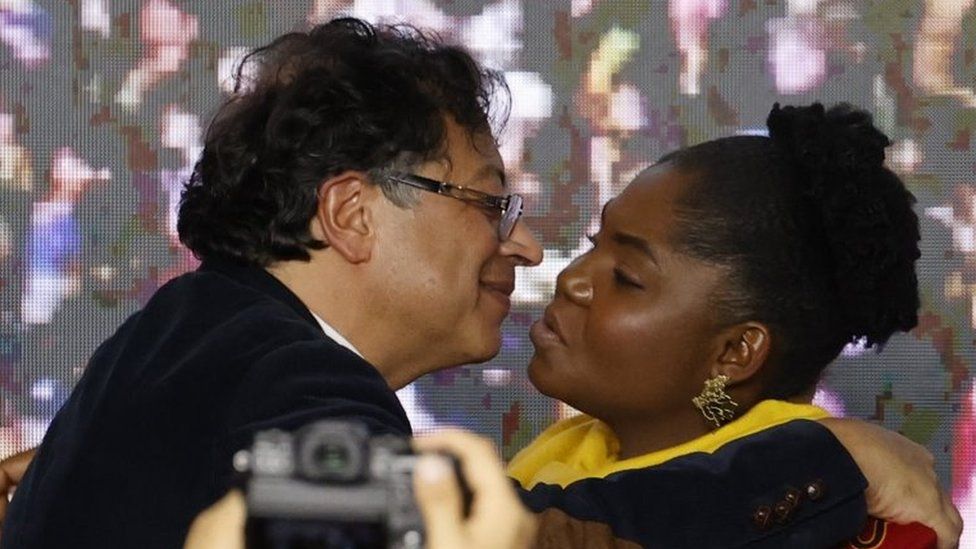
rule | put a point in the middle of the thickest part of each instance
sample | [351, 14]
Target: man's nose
[523, 246]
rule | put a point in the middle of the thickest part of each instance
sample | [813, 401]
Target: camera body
[330, 484]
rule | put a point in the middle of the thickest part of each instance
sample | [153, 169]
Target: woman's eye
[621, 278]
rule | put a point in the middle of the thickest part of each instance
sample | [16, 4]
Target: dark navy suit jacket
[146, 440]
[789, 486]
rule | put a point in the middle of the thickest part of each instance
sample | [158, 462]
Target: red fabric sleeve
[880, 534]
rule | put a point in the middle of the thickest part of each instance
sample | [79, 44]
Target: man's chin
[489, 353]
[485, 349]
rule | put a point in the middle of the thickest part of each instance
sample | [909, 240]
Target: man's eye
[491, 211]
[492, 214]
[621, 278]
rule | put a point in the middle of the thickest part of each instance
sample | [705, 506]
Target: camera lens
[332, 452]
[332, 457]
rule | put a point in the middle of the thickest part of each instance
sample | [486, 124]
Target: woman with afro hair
[722, 281]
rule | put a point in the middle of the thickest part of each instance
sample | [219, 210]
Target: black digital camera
[330, 485]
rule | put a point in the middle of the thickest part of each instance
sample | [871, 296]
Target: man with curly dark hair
[352, 216]
[351, 213]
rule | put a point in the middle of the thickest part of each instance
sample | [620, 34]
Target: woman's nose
[574, 282]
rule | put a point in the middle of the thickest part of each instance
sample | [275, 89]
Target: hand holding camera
[497, 517]
[330, 484]
[289, 507]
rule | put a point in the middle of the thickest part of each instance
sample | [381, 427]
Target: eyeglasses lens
[511, 217]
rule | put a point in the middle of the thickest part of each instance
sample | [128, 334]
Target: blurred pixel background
[103, 104]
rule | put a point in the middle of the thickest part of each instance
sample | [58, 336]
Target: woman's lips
[546, 330]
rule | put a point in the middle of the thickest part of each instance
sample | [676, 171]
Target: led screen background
[103, 104]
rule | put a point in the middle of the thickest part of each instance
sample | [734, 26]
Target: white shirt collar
[336, 336]
[416, 414]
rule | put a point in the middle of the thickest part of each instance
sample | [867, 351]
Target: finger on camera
[480, 464]
[439, 498]
[220, 526]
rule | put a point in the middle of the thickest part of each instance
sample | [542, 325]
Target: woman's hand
[902, 484]
[11, 471]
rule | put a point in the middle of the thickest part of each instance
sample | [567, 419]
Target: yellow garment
[584, 447]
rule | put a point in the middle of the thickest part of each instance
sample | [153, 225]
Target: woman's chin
[542, 375]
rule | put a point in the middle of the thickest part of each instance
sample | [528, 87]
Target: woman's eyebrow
[629, 240]
[637, 243]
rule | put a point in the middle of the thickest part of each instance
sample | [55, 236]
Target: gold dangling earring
[715, 404]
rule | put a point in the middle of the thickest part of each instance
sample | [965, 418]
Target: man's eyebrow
[488, 171]
[636, 243]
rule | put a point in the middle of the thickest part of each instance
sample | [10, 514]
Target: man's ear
[344, 217]
[745, 350]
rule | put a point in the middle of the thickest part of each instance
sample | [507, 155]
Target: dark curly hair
[819, 237]
[345, 95]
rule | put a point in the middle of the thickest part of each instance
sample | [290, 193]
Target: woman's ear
[344, 216]
[745, 350]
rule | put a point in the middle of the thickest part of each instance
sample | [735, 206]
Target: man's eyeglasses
[510, 206]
